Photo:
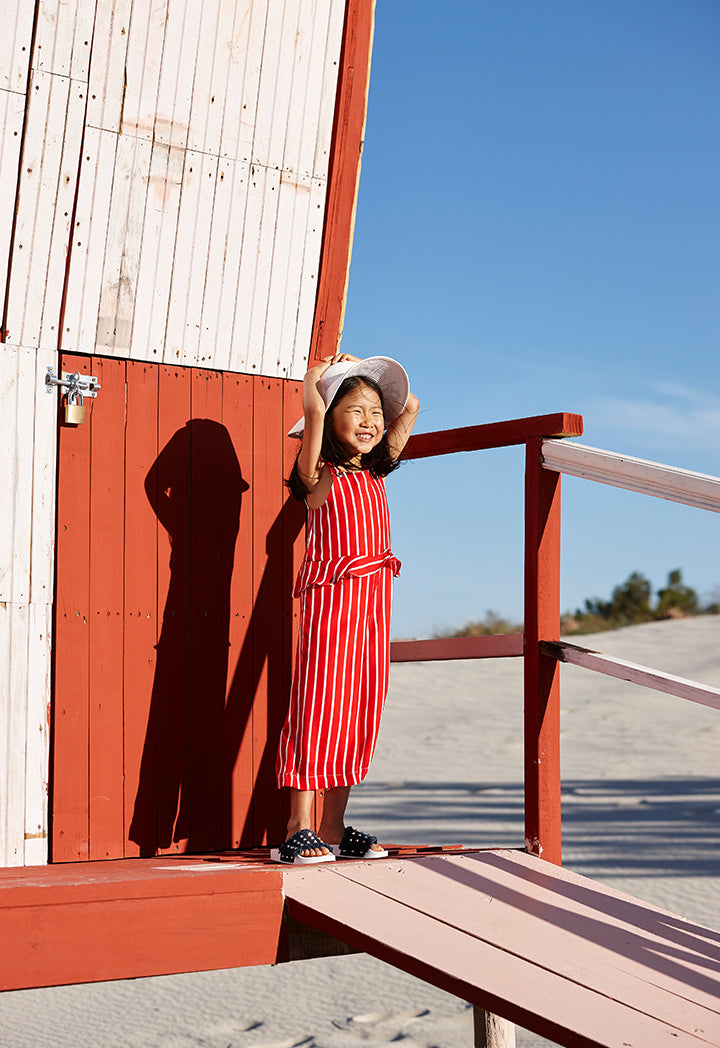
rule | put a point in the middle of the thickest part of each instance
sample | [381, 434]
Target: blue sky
[538, 230]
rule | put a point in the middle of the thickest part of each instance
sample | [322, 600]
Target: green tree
[630, 601]
[677, 596]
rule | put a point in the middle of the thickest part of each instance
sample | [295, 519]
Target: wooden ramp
[552, 951]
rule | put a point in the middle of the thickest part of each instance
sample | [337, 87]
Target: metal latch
[77, 386]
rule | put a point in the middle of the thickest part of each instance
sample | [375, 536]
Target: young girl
[358, 415]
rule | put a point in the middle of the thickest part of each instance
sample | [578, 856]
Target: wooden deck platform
[552, 951]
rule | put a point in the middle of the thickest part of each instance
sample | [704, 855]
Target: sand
[641, 812]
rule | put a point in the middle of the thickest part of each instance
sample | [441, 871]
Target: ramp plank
[555, 952]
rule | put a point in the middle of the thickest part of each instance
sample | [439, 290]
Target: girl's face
[357, 421]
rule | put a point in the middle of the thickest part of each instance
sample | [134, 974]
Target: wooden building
[177, 193]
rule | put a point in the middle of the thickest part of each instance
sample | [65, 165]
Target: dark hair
[379, 460]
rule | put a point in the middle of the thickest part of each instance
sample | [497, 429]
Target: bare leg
[301, 812]
[332, 826]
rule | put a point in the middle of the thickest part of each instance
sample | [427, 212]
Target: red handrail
[542, 610]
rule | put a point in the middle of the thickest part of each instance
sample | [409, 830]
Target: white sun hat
[390, 376]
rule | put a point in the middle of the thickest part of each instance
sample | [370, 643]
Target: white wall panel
[28, 424]
[199, 262]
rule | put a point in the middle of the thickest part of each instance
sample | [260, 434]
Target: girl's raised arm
[399, 431]
[308, 463]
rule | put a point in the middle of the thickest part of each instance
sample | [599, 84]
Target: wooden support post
[491, 1031]
[542, 675]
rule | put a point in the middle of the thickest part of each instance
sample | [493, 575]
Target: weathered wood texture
[491, 1031]
[632, 672]
[27, 435]
[633, 474]
[173, 182]
[561, 955]
[177, 547]
[90, 922]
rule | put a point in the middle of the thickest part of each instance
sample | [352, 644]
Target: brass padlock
[74, 408]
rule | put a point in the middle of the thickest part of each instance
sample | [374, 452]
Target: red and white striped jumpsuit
[341, 670]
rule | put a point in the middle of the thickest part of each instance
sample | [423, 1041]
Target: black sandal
[303, 840]
[356, 845]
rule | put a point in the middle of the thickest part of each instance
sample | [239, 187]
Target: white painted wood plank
[633, 474]
[291, 75]
[16, 18]
[106, 88]
[284, 292]
[177, 72]
[228, 302]
[329, 89]
[63, 37]
[17, 404]
[122, 247]
[245, 293]
[211, 76]
[42, 528]
[302, 160]
[633, 672]
[268, 233]
[158, 249]
[246, 58]
[13, 724]
[59, 198]
[32, 227]
[308, 282]
[37, 733]
[269, 72]
[50, 151]
[12, 114]
[213, 339]
[179, 309]
[196, 252]
[89, 235]
[142, 70]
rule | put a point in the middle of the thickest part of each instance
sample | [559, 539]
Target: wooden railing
[546, 458]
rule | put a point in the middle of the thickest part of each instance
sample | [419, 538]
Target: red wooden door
[174, 626]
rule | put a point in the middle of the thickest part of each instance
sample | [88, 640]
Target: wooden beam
[124, 919]
[632, 672]
[633, 474]
[492, 435]
[445, 648]
[542, 677]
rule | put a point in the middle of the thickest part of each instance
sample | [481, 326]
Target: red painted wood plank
[271, 685]
[343, 176]
[490, 936]
[167, 786]
[542, 677]
[633, 672]
[293, 541]
[493, 435]
[128, 919]
[445, 648]
[107, 613]
[69, 789]
[141, 610]
[237, 720]
[209, 608]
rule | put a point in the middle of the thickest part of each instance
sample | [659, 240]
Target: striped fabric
[341, 671]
